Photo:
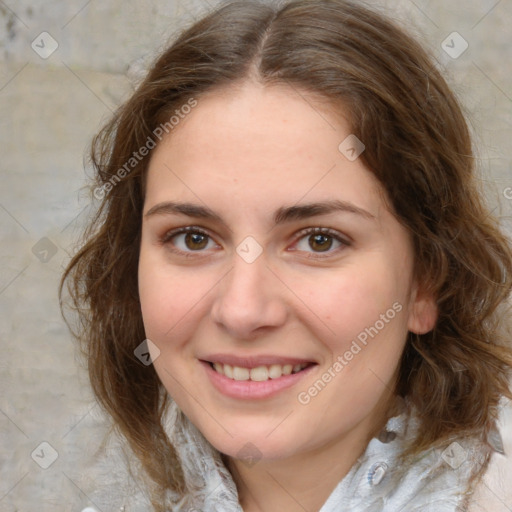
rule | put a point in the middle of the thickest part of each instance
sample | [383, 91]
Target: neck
[305, 480]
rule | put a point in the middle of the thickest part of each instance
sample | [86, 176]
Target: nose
[249, 300]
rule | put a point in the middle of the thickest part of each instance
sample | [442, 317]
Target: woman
[291, 233]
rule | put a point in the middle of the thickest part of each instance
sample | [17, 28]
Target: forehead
[260, 143]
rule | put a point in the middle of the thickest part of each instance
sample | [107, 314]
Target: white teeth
[259, 373]
[240, 373]
[287, 369]
[275, 371]
[228, 371]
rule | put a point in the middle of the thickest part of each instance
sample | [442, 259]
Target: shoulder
[493, 492]
[436, 480]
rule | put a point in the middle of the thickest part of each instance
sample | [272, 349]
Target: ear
[423, 311]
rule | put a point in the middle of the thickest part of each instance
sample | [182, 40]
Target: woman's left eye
[319, 241]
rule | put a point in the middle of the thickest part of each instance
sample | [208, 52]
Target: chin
[254, 442]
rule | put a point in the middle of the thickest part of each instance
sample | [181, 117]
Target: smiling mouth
[259, 373]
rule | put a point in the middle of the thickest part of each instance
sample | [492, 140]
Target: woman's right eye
[189, 240]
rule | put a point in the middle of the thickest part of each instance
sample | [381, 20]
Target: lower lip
[250, 390]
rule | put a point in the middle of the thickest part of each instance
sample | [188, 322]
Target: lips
[254, 377]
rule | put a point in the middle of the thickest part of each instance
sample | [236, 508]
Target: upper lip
[254, 361]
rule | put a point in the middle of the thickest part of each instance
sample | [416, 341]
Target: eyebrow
[188, 209]
[299, 212]
[281, 216]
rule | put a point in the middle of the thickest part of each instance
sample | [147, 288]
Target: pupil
[196, 241]
[320, 242]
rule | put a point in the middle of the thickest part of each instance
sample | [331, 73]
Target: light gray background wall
[50, 106]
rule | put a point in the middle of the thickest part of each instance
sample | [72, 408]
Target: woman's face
[268, 249]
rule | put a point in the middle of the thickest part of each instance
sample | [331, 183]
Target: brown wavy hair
[417, 145]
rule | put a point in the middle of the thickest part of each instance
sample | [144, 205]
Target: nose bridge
[245, 284]
[247, 299]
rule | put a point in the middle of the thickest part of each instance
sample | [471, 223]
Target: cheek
[367, 320]
[349, 300]
[365, 310]
[172, 300]
[170, 297]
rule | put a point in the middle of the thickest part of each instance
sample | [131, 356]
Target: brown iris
[320, 242]
[196, 241]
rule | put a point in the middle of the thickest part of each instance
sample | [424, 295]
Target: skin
[245, 153]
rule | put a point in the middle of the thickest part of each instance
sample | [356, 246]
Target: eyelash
[335, 235]
[167, 238]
